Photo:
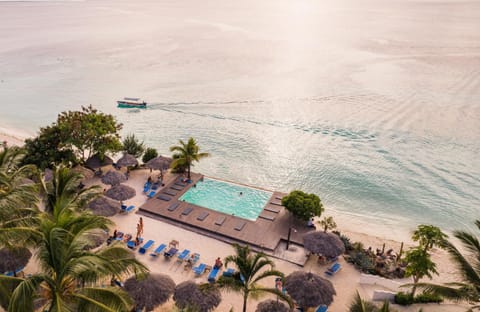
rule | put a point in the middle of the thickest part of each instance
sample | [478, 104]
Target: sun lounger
[193, 259]
[322, 308]
[187, 211]
[212, 277]
[119, 236]
[170, 253]
[240, 225]
[279, 197]
[183, 255]
[164, 197]
[146, 187]
[176, 187]
[170, 192]
[202, 216]
[272, 209]
[199, 270]
[229, 272]
[267, 217]
[277, 203]
[173, 206]
[333, 269]
[158, 250]
[128, 209]
[220, 220]
[131, 243]
[155, 186]
[151, 194]
[179, 183]
[146, 247]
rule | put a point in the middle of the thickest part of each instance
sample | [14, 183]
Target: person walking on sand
[140, 223]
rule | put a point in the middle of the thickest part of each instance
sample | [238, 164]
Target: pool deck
[265, 233]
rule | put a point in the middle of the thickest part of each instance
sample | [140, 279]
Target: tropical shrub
[403, 298]
[150, 153]
[132, 146]
[302, 205]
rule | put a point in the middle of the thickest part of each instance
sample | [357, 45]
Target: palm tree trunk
[414, 288]
[245, 297]
[188, 171]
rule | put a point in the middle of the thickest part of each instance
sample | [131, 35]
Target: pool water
[229, 198]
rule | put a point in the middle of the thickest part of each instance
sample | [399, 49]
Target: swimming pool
[229, 198]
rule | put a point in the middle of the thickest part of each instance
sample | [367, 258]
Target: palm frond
[103, 299]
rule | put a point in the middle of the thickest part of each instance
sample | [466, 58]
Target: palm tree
[467, 264]
[428, 236]
[64, 189]
[186, 153]
[252, 268]
[70, 273]
[419, 265]
[360, 305]
[18, 197]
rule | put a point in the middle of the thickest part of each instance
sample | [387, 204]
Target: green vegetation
[468, 266]
[251, 269]
[429, 236]
[133, 146]
[402, 298]
[76, 136]
[302, 205]
[327, 223]
[185, 154]
[360, 305]
[150, 153]
[419, 265]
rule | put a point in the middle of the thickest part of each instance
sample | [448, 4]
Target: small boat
[131, 102]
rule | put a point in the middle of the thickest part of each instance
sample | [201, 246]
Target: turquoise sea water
[229, 198]
[372, 105]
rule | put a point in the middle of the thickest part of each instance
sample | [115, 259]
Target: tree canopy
[133, 146]
[419, 265]
[186, 153]
[429, 236]
[302, 205]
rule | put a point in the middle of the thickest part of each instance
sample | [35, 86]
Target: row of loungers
[204, 214]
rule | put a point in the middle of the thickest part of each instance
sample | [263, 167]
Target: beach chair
[146, 187]
[173, 206]
[212, 277]
[128, 209]
[131, 243]
[192, 260]
[322, 308]
[170, 253]
[164, 197]
[146, 247]
[151, 194]
[119, 236]
[183, 255]
[199, 270]
[158, 250]
[229, 272]
[333, 269]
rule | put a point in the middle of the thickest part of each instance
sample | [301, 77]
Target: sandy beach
[346, 282]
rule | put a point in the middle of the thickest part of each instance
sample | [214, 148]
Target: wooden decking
[264, 233]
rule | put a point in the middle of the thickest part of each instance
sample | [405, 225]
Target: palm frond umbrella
[87, 173]
[150, 292]
[113, 177]
[95, 239]
[103, 206]
[95, 162]
[328, 245]
[309, 290]
[204, 298]
[271, 306]
[120, 192]
[159, 163]
[127, 160]
[14, 259]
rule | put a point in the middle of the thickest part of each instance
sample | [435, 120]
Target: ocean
[372, 105]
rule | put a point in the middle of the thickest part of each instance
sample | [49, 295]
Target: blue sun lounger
[199, 270]
[146, 187]
[333, 269]
[322, 308]
[146, 247]
[128, 209]
[159, 250]
[183, 255]
[213, 274]
[229, 272]
[151, 194]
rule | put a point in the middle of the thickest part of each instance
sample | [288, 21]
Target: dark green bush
[428, 298]
[150, 153]
[402, 298]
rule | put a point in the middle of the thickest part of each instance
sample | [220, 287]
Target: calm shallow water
[372, 105]
[234, 199]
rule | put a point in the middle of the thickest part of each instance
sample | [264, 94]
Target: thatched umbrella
[326, 244]
[127, 160]
[103, 206]
[85, 172]
[96, 238]
[271, 306]
[151, 291]
[309, 290]
[159, 163]
[13, 259]
[95, 162]
[113, 177]
[120, 192]
[204, 297]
